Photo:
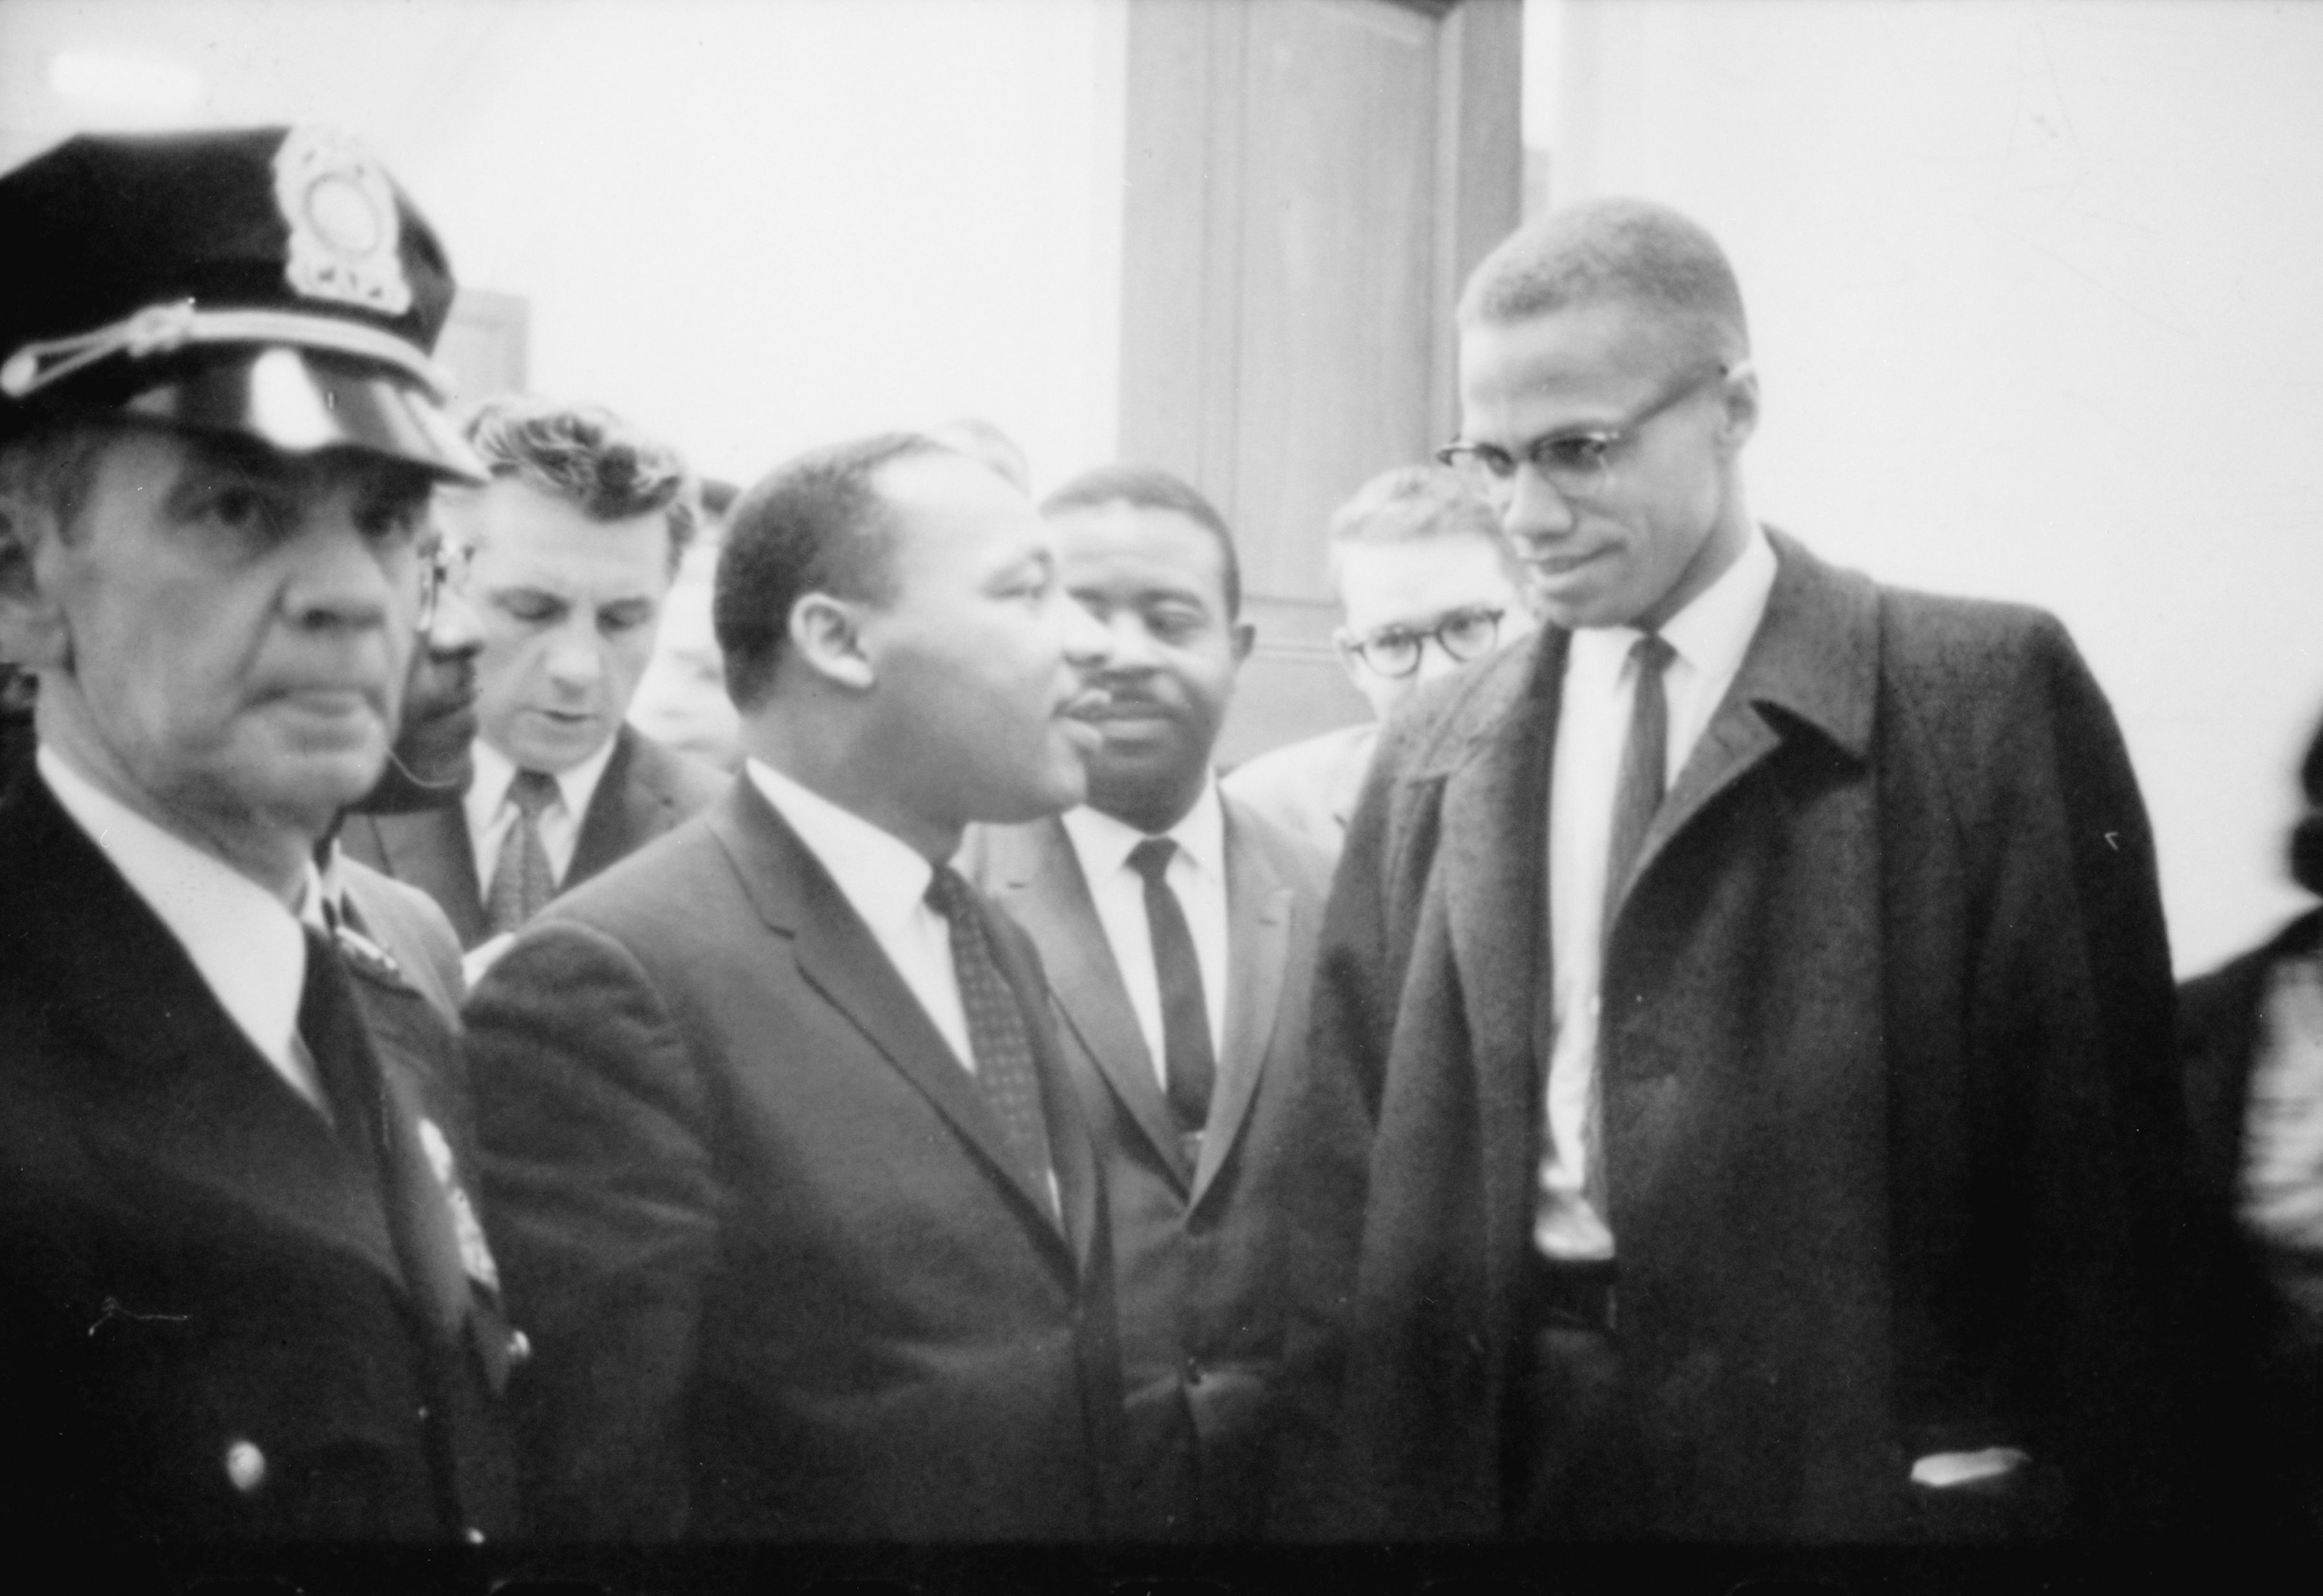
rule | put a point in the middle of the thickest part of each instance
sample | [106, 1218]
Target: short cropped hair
[1415, 504]
[1149, 487]
[589, 457]
[1612, 249]
[816, 523]
[52, 464]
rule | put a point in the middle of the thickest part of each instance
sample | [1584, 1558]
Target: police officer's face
[235, 626]
[569, 607]
[1633, 554]
[976, 656]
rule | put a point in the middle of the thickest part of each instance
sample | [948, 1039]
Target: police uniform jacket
[215, 1318]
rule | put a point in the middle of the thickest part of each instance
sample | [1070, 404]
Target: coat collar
[836, 955]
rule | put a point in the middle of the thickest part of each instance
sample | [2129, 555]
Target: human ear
[1740, 394]
[1243, 634]
[827, 634]
[32, 627]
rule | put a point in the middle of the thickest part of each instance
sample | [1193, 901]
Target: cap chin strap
[164, 329]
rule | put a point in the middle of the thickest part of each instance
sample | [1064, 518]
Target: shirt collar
[496, 772]
[1711, 634]
[1104, 843]
[881, 874]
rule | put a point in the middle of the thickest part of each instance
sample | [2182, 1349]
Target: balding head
[1613, 250]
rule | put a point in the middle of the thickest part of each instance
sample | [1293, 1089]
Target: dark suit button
[245, 1466]
[423, 1413]
[475, 1535]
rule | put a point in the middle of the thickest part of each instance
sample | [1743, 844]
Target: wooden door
[1308, 182]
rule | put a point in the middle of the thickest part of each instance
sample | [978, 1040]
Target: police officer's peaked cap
[270, 281]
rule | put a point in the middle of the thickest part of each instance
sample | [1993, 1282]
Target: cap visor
[302, 401]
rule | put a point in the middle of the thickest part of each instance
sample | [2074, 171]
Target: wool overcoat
[1891, 1134]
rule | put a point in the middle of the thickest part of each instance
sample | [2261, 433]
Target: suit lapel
[836, 954]
[1040, 882]
[1258, 949]
[614, 822]
[431, 851]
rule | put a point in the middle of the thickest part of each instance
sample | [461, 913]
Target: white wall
[750, 226]
[2036, 293]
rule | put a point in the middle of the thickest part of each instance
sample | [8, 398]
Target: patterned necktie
[1189, 1060]
[522, 882]
[996, 1032]
[1643, 761]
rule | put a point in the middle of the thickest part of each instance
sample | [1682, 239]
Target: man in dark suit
[1178, 927]
[1760, 990]
[241, 1293]
[570, 551]
[791, 1186]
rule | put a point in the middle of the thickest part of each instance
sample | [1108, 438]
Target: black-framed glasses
[1578, 464]
[444, 564]
[1393, 651]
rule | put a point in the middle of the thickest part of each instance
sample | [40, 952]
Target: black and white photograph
[1160, 797]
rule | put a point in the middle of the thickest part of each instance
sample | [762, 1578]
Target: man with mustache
[570, 551]
[242, 1296]
[790, 1185]
[1759, 991]
[1178, 927]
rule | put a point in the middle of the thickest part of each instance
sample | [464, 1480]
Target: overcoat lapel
[1813, 661]
[836, 954]
[1493, 855]
[1258, 945]
[1042, 885]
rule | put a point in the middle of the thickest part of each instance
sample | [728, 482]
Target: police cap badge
[269, 281]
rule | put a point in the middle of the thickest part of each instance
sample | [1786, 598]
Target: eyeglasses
[445, 564]
[1578, 464]
[1394, 651]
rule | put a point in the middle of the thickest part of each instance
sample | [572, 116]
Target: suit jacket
[220, 1321]
[646, 788]
[1203, 1252]
[412, 930]
[782, 1278]
[1891, 1134]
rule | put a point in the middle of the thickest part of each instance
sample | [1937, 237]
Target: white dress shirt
[2281, 1196]
[245, 943]
[1196, 874]
[492, 818]
[884, 880]
[1707, 639]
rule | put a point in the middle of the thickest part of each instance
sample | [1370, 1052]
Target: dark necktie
[522, 882]
[381, 1133]
[1189, 1060]
[997, 1032]
[1643, 760]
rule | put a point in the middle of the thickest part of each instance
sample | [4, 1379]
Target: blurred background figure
[681, 700]
[1425, 584]
[2252, 1036]
[979, 439]
[572, 547]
